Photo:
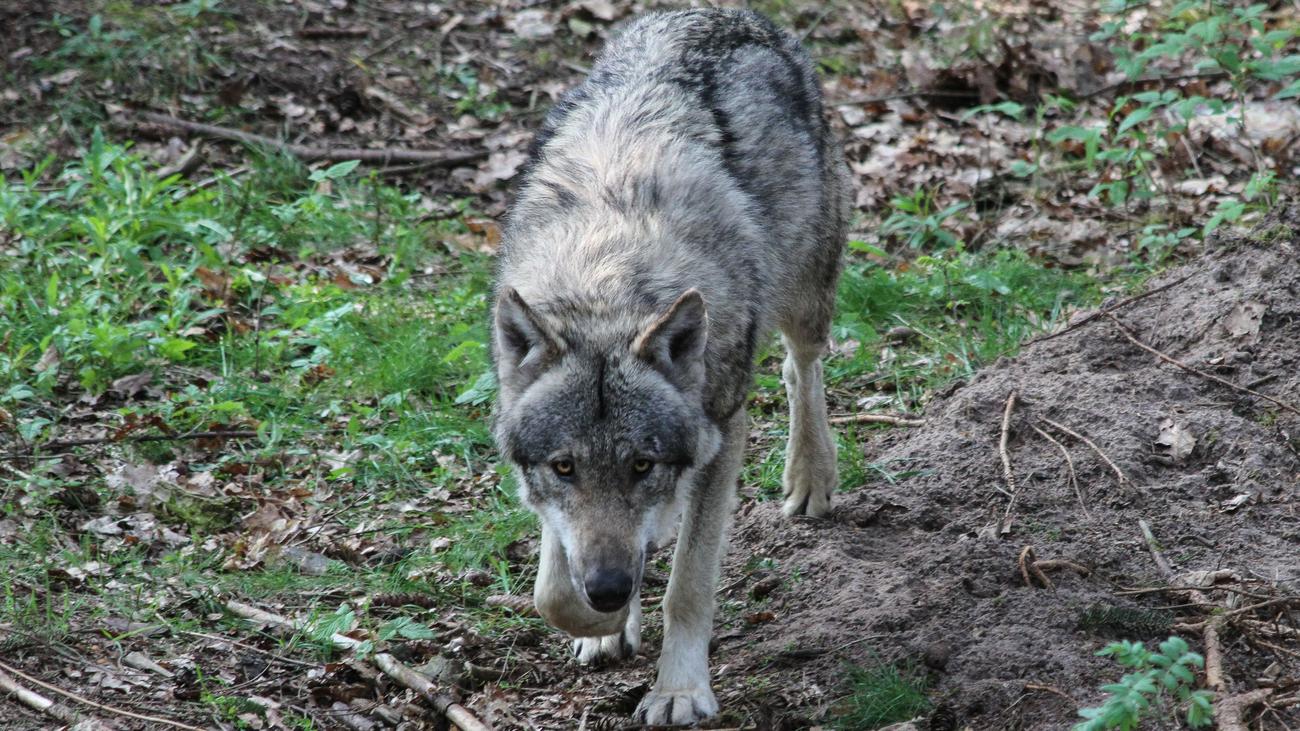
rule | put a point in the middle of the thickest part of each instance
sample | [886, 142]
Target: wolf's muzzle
[608, 589]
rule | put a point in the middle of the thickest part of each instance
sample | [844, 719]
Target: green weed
[882, 694]
[1146, 691]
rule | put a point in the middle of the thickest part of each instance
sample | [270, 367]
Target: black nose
[608, 589]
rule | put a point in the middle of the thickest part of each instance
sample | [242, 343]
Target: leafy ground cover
[227, 374]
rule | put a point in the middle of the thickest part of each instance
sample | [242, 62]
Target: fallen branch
[876, 419]
[311, 153]
[1104, 312]
[1213, 651]
[391, 666]
[1209, 629]
[1152, 545]
[60, 445]
[1160, 80]
[5, 669]
[1006, 462]
[1209, 376]
[69, 443]
[1069, 464]
[913, 94]
[1230, 712]
[36, 701]
[1119, 474]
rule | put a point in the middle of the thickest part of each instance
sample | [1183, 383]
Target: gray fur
[682, 203]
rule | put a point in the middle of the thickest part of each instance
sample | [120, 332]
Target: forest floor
[235, 375]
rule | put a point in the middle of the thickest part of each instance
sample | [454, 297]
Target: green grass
[294, 302]
[882, 694]
[233, 301]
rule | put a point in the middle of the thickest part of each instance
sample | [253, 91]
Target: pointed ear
[674, 344]
[524, 345]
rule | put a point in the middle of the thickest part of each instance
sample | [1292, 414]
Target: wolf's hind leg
[621, 646]
[810, 468]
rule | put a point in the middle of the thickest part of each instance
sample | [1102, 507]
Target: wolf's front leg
[620, 646]
[682, 693]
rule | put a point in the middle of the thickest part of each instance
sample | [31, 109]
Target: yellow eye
[642, 466]
[563, 467]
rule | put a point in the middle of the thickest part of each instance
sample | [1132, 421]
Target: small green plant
[883, 694]
[1218, 39]
[916, 222]
[1146, 691]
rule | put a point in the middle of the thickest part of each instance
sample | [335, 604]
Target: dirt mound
[919, 566]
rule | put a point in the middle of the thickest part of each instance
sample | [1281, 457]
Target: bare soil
[920, 565]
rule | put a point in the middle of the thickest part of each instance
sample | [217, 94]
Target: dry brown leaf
[128, 386]
[532, 24]
[1175, 443]
[601, 9]
[1244, 321]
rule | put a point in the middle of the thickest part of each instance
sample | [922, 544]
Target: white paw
[610, 647]
[619, 646]
[807, 497]
[674, 707]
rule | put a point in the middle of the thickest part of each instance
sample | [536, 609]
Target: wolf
[678, 206]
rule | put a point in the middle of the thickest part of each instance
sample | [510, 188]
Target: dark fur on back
[737, 101]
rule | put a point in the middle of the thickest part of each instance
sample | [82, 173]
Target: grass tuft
[882, 694]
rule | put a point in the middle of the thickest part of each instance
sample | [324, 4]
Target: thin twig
[1164, 589]
[252, 648]
[1006, 461]
[1063, 563]
[68, 443]
[876, 419]
[1119, 474]
[915, 93]
[310, 153]
[1069, 464]
[1209, 376]
[1154, 546]
[1161, 80]
[1102, 313]
[87, 702]
[393, 668]
[1050, 689]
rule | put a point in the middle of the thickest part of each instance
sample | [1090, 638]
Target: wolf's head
[605, 430]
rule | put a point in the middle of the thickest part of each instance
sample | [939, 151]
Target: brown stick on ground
[1029, 564]
[1119, 474]
[1152, 545]
[1102, 313]
[1208, 376]
[309, 153]
[1209, 630]
[391, 666]
[1230, 712]
[5, 669]
[1069, 463]
[876, 419]
[1006, 462]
